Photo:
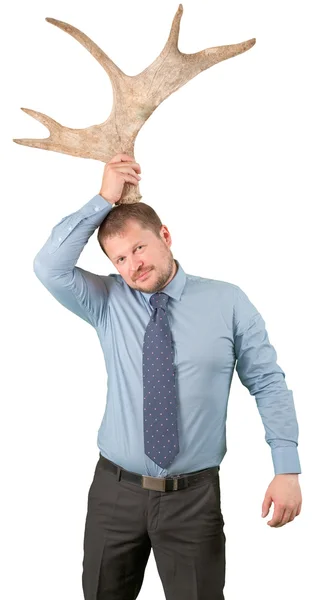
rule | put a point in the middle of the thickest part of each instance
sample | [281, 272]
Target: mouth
[143, 275]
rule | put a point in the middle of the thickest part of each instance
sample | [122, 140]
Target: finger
[277, 517]
[299, 509]
[130, 179]
[293, 515]
[266, 506]
[121, 157]
[133, 165]
[286, 517]
[128, 170]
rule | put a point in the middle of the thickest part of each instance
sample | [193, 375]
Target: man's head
[134, 239]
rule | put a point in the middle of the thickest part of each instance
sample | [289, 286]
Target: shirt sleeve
[258, 370]
[82, 292]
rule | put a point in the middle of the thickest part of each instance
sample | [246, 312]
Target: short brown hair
[117, 219]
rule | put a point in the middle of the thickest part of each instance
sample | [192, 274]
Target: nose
[136, 267]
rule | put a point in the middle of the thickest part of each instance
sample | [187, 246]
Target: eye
[140, 246]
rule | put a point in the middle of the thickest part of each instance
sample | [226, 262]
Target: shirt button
[69, 228]
[96, 208]
[59, 239]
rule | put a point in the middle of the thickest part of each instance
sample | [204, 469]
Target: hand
[120, 169]
[285, 492]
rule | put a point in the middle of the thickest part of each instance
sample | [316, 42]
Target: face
[136, 251]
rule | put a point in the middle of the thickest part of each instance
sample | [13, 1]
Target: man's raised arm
[82, 292]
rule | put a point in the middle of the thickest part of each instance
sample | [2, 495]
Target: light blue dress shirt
[214, 326]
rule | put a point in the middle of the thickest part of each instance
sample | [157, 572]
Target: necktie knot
[159, 300]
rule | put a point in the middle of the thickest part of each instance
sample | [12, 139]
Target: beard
[163, 275]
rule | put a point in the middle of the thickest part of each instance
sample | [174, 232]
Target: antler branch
[134, 99]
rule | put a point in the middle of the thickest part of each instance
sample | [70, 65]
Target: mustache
[142, 273]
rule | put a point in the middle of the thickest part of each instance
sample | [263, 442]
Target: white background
[231, 163]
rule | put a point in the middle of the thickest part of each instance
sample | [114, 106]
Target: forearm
[259, 371]
[68, 238]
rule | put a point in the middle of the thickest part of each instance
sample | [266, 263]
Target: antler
[134, 99]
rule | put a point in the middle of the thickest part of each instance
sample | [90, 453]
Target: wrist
[105, 198]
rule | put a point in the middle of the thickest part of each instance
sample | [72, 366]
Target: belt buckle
[157, 483]
[154, 483]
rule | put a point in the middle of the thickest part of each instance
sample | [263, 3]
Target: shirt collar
[175, 287]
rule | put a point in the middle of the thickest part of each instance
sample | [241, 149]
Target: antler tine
[55, 141]
[211, 56]
[222, 52]
[172, 42]
[134, 99]
[104, 60]
[173, 68]
[44, 143]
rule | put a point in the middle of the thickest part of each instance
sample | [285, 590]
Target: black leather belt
[161, 484]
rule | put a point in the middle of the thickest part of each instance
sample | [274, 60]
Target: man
[170, 342]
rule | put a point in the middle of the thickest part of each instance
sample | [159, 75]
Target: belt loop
[118, 473]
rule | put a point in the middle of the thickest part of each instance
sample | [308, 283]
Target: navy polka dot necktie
[160, 400]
